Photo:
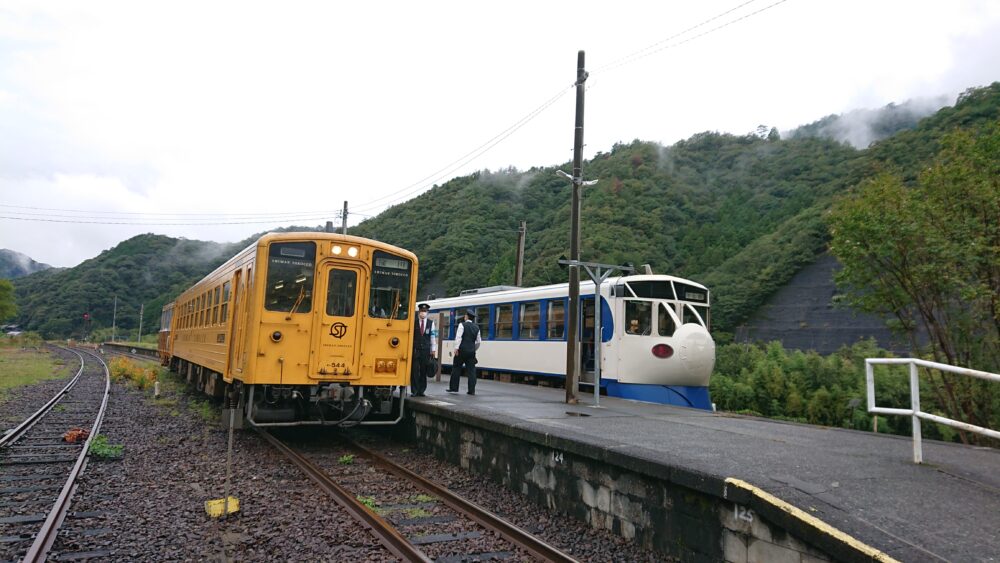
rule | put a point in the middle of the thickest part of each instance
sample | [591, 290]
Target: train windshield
[290, 272]
[390, 295]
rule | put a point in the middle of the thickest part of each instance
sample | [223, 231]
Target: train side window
[215, 305]
[341, 293]
[529, 321]
[665, 322]
[505, 321]
[290, 268]
[225, 302]
[483, 321]
[556, 320]
[445, 325]
[638, 317]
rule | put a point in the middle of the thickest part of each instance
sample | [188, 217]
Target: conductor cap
[423, 307]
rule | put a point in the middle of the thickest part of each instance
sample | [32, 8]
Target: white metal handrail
[914, 410]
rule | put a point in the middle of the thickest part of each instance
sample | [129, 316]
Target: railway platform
[710, 486]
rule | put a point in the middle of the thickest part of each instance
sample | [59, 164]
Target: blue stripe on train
[677, 395]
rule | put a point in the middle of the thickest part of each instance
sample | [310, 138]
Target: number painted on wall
[743, 513]
[557, 457]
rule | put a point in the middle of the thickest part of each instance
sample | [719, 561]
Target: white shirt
[458, 337]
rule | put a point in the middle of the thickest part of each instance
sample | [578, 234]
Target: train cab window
[483, 321]
[529, 321]
[665, 323]
[341, 293]
[225, 302]
[652, 289]
[689, 316]
[290, 268]
[686, 292]
[638, 317]
[504, 321]
[390, 291]
[556, 320]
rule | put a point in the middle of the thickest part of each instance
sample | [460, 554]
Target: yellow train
[300, 328]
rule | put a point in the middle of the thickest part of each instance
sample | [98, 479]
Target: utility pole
[343, 225]
[519, 267]
[114, 319]
[572, 356]
[142, 306]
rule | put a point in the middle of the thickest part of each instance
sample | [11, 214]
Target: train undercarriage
[319, 404]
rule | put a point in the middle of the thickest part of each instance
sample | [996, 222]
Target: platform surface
[865, 484]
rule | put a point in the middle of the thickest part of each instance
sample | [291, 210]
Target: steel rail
[47, 535]
[386, 533]
[15, 434]
[519, 537]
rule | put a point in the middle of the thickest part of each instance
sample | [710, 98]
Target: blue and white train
[655, 341]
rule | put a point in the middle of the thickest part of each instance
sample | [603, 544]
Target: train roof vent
[491, 289]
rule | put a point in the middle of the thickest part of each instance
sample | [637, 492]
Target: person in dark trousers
[467, 341]
[424, 351]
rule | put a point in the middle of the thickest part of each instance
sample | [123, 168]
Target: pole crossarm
[589, 265]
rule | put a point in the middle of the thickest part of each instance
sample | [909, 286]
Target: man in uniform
[467, 341]
[424, 351]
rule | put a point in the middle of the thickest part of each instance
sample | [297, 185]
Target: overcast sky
[270, 114]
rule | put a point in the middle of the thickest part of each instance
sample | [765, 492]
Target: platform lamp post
[598, 273]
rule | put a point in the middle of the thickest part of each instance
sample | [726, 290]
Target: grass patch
[127, 371]
[22, 367]
[205, 410]
[424, 498]
[370, 503]
[100, 447]
[346, 459]
[417, 513]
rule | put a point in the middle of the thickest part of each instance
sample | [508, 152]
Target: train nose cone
[696, 350]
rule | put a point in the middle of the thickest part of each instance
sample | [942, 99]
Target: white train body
[666, 356]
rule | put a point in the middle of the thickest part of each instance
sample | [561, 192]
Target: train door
[337, 339]
[587, 340]
[238, 330]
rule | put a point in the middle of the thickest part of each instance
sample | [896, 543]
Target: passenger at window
[467, 341]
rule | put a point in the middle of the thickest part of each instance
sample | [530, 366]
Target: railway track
[39, 468]
[415, 518]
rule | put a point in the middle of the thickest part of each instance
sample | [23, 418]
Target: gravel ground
[148, 505]
[559, 530]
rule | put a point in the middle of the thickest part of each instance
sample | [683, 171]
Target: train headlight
[337, 249]
[390, 366]
[276, 336]
[352, 252]
[380, 366]
[393, 342]
[663, 351]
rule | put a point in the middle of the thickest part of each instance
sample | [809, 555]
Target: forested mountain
[15, 265]
[860, 128]
[146, 269]
[739, 213]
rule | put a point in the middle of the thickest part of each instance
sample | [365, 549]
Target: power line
[469, 156]
[148, 223]
[196, 218]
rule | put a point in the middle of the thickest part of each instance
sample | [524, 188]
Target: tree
[8, 308]
[929, 254]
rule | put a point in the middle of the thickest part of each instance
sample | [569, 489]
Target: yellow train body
[298, 323]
